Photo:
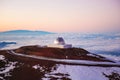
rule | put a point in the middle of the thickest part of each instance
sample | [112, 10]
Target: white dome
[59, 41]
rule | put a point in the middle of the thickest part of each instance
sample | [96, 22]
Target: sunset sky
[60, 15]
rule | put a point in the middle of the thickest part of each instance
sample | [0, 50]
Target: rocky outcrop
[60, 53]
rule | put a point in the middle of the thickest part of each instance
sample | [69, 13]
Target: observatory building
[60, 43]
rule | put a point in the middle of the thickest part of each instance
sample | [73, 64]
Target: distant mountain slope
[26, 32]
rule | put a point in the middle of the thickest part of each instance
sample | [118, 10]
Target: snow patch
[86, 73]
[2, 57]
[9, 67]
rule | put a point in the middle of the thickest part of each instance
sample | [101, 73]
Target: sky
[60, 15]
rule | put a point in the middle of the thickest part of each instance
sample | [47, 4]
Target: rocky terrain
[15, 65]
[60, 53]
[75, 54]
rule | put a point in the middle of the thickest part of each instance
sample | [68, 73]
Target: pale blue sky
[60, 15]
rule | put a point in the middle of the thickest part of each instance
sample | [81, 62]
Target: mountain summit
[26, 32]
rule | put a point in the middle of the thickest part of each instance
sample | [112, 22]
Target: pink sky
[60, 15]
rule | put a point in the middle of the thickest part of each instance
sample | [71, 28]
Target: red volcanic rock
[59, 53]
[52, 52]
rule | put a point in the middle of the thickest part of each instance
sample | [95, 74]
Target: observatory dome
[59, 41]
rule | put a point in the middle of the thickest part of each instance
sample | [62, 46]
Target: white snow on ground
[2, 57]
[75, 72]
[8, 68]
[84, 72]
[64, 60]
[113, 57]
[37, 66]
[91, 55]
[1, 78]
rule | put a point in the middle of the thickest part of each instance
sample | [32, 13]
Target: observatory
[60, 43]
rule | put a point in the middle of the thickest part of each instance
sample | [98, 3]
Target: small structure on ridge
[60, 43]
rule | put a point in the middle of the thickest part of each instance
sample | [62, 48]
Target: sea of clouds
[101, 43]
